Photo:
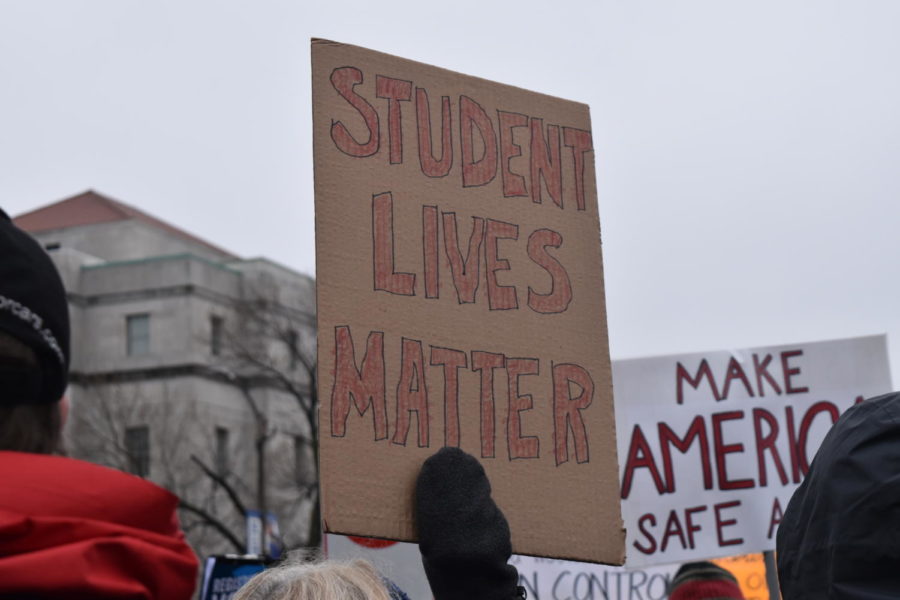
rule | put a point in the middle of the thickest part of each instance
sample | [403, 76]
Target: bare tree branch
[213, 522]
[221, 482]
[265, 348]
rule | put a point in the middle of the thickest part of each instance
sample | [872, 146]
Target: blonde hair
[327, 580]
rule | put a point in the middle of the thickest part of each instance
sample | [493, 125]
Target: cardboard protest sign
[460, 301]
[713, 445]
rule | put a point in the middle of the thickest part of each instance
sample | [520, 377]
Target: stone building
[190, 366]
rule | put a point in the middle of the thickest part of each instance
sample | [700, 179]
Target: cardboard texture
[460, 301]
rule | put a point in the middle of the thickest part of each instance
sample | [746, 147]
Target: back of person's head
[326, 580]
[704, 581]
[840, 534]
[26, 426]
[34, 343]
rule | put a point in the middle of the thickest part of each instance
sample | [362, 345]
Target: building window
[221, 451]
[138, 332]
[293, 344]
[216, 325]
[137, 445]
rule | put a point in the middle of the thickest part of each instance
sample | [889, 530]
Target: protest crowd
[70, 529]
[76, 530]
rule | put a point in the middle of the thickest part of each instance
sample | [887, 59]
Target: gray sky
[746, 150]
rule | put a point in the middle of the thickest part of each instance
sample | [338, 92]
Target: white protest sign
[545, 578]
[713, 445]
[550, 579]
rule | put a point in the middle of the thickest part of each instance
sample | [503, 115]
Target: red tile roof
[89, 208]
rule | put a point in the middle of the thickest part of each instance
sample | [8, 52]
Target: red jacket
[71, 529]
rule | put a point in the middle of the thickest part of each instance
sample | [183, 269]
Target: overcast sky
[747, 151]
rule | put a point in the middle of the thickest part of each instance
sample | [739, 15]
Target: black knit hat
[463, 536]
[34, 310]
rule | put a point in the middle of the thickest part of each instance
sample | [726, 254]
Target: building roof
[89, 208]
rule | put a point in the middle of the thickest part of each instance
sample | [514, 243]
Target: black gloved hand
[463, 535]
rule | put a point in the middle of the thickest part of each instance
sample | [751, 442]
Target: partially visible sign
[224, 575]
[254, 532]
[550, 579]
[750, 572]
[371, 542]
[460, 301]
[713, 445]
[547, 579]
[274, 542]
[259, 532]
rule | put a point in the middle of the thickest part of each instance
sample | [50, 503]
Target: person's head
[26, 426]
[704, 581]
[327, 580]
[34, 344]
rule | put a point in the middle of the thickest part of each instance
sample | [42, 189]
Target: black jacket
[840, 535]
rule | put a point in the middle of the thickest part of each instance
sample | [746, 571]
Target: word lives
[441, 230]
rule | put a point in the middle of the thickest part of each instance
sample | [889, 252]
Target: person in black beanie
[34, 344]
[68, 528]
[463, 536]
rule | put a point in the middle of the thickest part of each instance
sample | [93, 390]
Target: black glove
[463, 535]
